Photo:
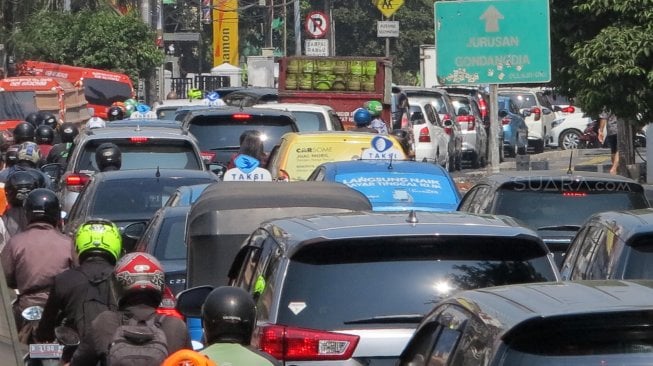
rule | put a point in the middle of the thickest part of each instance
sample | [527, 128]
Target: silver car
[144, 144]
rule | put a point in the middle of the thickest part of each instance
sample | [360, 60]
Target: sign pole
[494, 143]
[298, 33]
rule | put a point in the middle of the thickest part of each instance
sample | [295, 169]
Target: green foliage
[99, 39]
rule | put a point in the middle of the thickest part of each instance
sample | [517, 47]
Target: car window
[431, 115]
[468, 199]
[639, 259]
[572, 253]
[335, 121]
[598, 268]
[167, 113]
[555, 208]
[310, 121]
[417, 115]
[321, 279]
[170, 243]
[523, 100]
[125, 198]
[16, 104]
[543, 100]
[150, 154]
[593, 238]
[106, 92]
[223, 133]
[461, 106]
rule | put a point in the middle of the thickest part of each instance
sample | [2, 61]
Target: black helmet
[11, 156]
[44, 135]
[47, 118]
[229, 314]
[115, 113]
[19, 185]
[33, 118]
[108, 155]
[42, 205]
[24, 131]
[68, 132]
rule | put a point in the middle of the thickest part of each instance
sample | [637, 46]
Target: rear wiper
[560, 228]
[388, 319]
[225, 148]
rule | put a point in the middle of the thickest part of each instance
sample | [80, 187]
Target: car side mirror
[546, 110]
[131, 233]
[526, 113]
[190, 301]
[54, 171]
[557, 108]
[217, 168]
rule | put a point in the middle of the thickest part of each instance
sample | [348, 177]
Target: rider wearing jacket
[32, 258]
[82, 293]
[228, 318]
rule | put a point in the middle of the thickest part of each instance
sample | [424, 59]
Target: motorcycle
[49, 354]
[589, 139]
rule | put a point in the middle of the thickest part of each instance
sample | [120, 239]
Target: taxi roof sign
[247, 169]
[388, 7]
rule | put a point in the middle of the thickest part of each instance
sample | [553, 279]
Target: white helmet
[95, 122]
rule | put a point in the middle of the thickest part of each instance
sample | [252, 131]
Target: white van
[310, 117]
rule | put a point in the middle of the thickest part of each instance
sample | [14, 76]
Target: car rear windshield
[639, 258]
[124, 199]
[166, 113]
[343, 284]
[170, 242]
[523, 100]
[218, 133]
[310, 121]
[137, 154]
[555, 203]
[106, 92]
[623, 338]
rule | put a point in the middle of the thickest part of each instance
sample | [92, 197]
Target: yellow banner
[225, 32]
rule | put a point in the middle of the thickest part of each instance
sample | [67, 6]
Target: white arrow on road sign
[317, 24]
[491, 17]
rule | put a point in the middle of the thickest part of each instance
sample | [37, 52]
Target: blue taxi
[399, 185]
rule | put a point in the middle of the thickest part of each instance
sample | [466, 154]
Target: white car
[541, 116]
[310, 117]
[166, 109]
[567, 130]
[431, 140]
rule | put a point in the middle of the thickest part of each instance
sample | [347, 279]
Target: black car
[218, 130]
[130, 196]
[612, 245]
[365, 280]
[546, 324]
[553, 203]
[164, 238]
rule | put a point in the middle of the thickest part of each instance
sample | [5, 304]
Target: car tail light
[76, 181]
[569, 109]
[138, 139]
[447, 128]
[167, 305]
[241, 116]
[207, 156]
[404, 121]
[470, 122]
[537, 113]
[424, 135]
[505, 121]
[300, 344]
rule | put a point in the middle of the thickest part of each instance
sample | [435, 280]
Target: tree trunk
[625, 147]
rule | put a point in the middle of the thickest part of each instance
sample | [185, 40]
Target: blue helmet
[362, 117]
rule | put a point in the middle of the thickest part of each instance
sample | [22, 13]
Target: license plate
[45, 350]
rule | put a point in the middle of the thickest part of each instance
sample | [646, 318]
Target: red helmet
[139, 272]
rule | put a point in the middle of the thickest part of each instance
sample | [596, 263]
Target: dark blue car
[395, 185]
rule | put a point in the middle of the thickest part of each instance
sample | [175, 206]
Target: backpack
[138, 343]
[98, 298]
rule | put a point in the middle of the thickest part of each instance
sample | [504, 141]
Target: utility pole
[298, 33]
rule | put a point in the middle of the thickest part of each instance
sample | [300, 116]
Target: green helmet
[98, 236]
[131, 101]
[194, 94]
[374, 107]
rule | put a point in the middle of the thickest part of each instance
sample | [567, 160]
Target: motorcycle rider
[138, 281]
[17, 188]
[115, 113]
[31, 259]
[362, 119]
[228, 318]
[60, 152]
[80, 294]
[44, 138]
[108, 157]
[375, 108]
[33, 119]
[29, 160]
[24, 131]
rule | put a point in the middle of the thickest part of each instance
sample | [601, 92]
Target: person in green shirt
[228, 318]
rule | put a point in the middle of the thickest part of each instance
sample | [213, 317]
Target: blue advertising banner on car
[407, 190]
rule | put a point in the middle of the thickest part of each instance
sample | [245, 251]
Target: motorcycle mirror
[32, 313]
[66, 336]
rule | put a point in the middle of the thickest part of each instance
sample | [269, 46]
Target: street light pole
[298, 34]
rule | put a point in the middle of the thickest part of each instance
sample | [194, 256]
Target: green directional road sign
[492, 42]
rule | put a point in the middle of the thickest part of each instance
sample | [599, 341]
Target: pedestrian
[608, 136]
[228, 319]
[31, 259]
[80, 294]
[135, 330]
[251, 144]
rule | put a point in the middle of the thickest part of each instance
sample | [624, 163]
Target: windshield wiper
[560, 228]
[225, 148]
[388, 319]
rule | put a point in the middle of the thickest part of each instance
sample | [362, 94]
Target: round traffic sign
[316, 24]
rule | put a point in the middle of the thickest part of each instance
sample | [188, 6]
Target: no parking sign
[317, 24]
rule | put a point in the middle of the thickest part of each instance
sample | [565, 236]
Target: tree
[603, 56]
[99, 39]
